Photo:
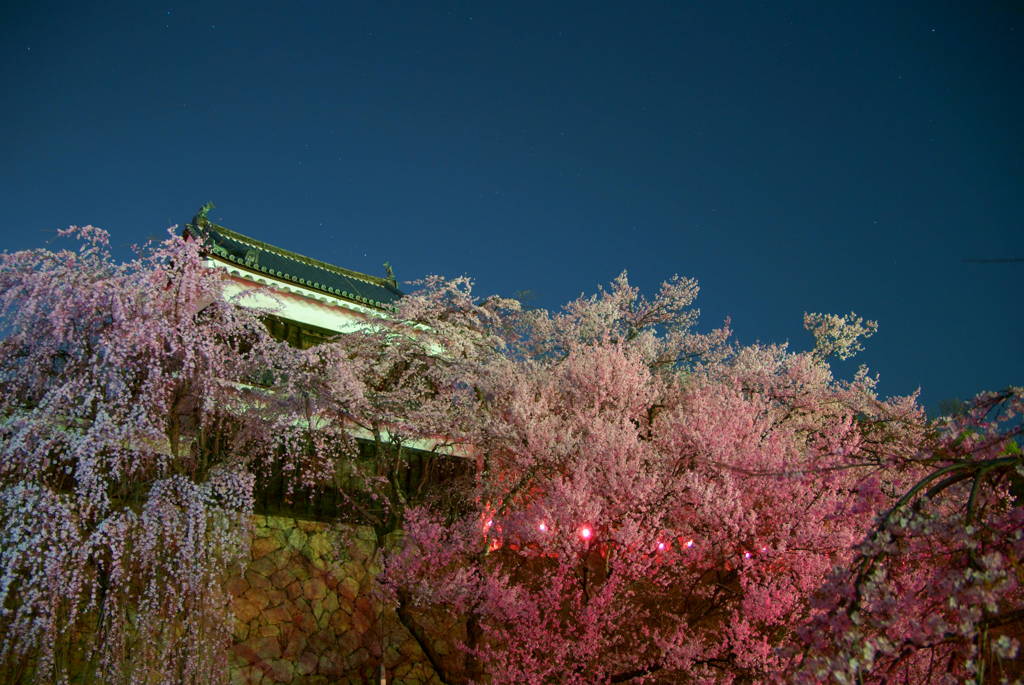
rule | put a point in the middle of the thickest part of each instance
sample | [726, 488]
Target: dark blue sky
[790, 156]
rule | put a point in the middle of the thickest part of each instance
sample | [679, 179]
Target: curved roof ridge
[295, 256]
[295, 268]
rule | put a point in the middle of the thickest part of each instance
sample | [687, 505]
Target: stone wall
[306, 614]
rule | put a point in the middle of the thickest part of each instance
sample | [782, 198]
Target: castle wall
[306, 613]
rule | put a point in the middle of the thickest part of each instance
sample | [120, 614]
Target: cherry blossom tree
[129, 427]
[412, 369]
[936, 591]
[652, 504]
[138, 406]
[644, 503]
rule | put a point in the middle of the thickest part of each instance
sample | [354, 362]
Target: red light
[585, 533]
[542, 528]
[661, 546]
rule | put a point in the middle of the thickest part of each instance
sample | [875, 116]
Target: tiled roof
[259, 257]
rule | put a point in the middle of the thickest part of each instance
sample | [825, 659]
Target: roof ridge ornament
[197, 227]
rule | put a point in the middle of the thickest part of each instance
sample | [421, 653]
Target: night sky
[812, 156]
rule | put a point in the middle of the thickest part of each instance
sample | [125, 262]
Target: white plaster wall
[295, 302]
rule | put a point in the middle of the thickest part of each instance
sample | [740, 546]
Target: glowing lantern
[585, 532]
[661, 546]
[542, 527]
[746, 555]
[689, 543]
